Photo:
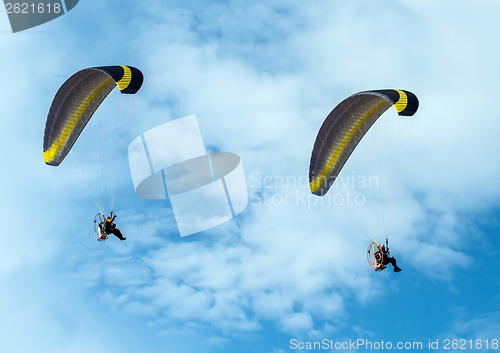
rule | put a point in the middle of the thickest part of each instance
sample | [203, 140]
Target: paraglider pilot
[388, 259]
[110, 227]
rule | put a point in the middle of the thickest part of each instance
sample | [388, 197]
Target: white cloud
[297, 322]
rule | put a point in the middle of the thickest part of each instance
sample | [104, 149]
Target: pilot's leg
[118, 234]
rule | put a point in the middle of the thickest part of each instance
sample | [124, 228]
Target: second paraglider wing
[344, 128]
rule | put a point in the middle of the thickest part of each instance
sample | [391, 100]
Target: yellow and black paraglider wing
[345, 126]
[77, 100]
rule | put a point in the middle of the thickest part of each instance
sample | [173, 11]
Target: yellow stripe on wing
[402, 102]
[125, 80]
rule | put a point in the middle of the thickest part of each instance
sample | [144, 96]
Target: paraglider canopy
[345, 126]
[77, 100]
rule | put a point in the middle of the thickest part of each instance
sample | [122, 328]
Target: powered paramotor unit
[375, 256]
[99, 230]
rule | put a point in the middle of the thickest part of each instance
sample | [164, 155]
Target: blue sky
[261, 76]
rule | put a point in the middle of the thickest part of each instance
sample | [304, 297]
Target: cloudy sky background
[261, 77]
